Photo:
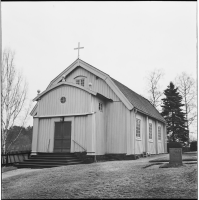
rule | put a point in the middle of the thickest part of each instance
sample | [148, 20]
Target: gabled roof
[139, 102]
[63, 83]
[97, 72]
[130, 98]
[34, 109]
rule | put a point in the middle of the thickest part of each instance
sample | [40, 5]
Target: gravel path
[17, 172]
[115, 179]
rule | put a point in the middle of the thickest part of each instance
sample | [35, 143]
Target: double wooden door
[62, 138]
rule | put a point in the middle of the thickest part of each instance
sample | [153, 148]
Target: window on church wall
[101, 107]
[138, 125]
[150, 131]
[63, 99]
[80, 82]
[159, 132]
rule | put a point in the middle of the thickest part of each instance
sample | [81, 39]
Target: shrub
[193, 146]
[173, 145]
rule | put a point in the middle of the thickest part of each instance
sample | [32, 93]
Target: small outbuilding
[84, 109]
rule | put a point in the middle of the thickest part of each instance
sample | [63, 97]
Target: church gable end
[90, 81]
[99, 114]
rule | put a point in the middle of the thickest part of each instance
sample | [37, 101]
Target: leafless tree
[187, 89]
[13, 95]
[153, 87]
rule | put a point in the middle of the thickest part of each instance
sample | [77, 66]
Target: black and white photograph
[99, 99]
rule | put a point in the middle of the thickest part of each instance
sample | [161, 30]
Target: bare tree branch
[186, 88]
[13, 94]
[153, 87]
[24, 120]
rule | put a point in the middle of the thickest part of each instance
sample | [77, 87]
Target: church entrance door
[62, 139]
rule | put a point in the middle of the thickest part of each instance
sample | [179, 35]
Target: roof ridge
[129, 88]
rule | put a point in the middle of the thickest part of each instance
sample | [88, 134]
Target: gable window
[159, 132]
[80, 82]
[150, 131]
[138, 124]
[101, 107]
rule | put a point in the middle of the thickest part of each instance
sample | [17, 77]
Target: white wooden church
[84, 109]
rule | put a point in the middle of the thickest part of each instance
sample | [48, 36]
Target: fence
[14, 157]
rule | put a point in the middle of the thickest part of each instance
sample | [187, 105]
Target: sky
[126, 40]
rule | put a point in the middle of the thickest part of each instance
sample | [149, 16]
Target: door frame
[66, 119]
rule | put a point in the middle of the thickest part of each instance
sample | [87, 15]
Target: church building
[85, 110]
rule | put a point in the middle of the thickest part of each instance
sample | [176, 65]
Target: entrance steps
[47, 160]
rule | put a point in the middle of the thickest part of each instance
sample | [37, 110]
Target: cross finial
[78, 48]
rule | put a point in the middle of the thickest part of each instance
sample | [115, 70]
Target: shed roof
[139, 102]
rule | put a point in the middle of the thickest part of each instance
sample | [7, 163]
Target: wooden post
[6, 159]
[14, 158]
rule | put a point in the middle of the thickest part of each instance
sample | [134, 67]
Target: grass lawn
[115, 179]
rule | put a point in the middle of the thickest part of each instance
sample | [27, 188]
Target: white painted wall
[110, 131]
[77, 101]
[116, 128]
[98, 85]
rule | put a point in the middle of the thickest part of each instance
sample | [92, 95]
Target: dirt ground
[115, 179]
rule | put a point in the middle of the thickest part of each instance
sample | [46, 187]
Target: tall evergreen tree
[174, 115]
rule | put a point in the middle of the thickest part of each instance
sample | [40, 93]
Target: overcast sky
[126, 40]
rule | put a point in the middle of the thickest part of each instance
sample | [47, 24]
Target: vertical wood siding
[100, 127]
[133, 122]
[80, 133]
[77, 101]
[35, 134]
[116, 127]
[44, 135]
[113, 127]
[128, 133]
[98, 85]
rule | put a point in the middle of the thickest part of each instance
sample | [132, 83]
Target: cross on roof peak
[78, 48]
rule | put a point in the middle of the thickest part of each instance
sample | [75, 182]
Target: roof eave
[150, 115]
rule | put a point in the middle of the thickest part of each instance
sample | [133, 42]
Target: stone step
[44, 164]
[52, 160]
[35, 166]
[54, 155]
[43, 160]
[58, 153]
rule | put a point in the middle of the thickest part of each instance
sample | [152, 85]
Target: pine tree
[174, 115]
